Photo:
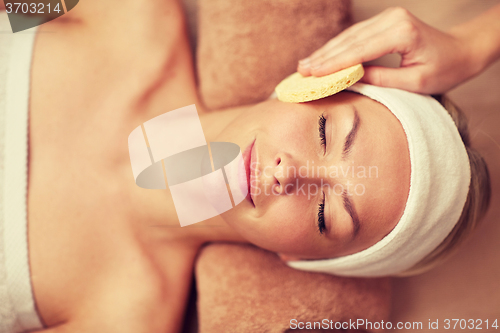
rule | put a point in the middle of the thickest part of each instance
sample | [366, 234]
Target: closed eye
[321, 216]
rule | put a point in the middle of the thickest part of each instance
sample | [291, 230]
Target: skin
[429, 57]
[108, 256]
[283, 218]
[98, 261]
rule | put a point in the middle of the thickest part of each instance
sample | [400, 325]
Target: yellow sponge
[297, 88]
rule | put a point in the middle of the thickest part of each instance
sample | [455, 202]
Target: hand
[432, 61]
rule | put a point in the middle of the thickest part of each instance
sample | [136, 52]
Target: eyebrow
[348, 144]
[351, 210]
[349, 139]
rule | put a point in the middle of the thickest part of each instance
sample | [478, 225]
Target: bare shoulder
[133, 300]
[110, 13]
[147, 298]
[126, 291]
[115, 55]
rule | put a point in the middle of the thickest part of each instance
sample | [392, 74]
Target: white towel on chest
[17, 308]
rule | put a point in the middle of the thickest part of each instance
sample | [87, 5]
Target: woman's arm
[432, 61]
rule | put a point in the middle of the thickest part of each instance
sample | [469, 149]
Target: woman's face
[327, 178]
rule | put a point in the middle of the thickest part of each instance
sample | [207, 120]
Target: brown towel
[245, 48]
[242, 288]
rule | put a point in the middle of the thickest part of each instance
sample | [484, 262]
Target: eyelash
[322, 126]
[321, 217]
[321, 208]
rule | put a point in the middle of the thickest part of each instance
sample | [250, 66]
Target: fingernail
[316, 66]
[305, 62]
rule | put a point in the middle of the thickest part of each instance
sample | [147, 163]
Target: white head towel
[439, 184]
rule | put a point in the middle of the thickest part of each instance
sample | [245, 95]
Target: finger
[304, 69]
[342, 41]
[324, 55]
[406, 78]
[362, 51]
[359, 31]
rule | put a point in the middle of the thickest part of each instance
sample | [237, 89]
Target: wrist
[476, 52]
[482, 36]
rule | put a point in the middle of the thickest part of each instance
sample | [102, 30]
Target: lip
[254, 172]
[248, 157]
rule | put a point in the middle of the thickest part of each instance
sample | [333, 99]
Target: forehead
[383, 146]
[381, 149]
[380, 158]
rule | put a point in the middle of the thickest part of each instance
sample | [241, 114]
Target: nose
[290, 171]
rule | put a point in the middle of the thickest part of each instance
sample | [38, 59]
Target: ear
[286, 257]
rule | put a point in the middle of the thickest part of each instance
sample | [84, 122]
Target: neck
[213, 229]
[216, 229]
[214, 122]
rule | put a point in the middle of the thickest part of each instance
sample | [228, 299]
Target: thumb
[406, 78]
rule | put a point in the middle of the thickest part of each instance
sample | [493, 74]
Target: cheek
[290, 129]
[286, 226]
